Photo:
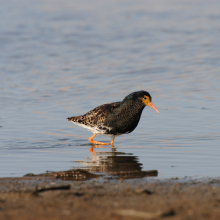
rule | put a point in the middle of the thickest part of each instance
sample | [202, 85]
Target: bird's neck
[132, 108]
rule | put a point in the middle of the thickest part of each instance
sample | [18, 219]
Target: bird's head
[142, 97]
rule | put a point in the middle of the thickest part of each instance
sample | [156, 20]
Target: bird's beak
[150, 104]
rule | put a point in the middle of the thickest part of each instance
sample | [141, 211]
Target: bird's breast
[125, 120]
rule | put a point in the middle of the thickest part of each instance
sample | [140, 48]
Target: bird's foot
[98, 143]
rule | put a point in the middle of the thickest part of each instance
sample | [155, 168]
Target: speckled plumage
[114, 118]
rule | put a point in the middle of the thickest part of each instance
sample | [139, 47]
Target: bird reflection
[102, 161]
[114, 163]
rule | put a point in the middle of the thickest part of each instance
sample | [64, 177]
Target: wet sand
[41, 197]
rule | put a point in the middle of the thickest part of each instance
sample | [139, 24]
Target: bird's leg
[112, 141]
[96, 142]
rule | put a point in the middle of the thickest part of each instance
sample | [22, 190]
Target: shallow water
[63, 58]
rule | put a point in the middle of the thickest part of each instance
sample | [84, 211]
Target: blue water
[63, 58]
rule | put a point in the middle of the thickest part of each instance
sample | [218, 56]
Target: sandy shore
[51, 198]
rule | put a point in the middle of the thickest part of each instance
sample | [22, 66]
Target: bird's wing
[97, 115]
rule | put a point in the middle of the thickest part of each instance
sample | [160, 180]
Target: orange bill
[150, 104]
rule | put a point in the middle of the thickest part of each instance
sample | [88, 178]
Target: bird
[114, 119]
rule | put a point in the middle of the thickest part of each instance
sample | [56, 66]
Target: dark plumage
[115, 118]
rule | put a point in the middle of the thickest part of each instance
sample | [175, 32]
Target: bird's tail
[71, 119]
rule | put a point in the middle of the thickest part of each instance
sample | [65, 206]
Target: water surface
[63, 58]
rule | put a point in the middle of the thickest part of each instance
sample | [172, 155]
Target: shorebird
[115, 118]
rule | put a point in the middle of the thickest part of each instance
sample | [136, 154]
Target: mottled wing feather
[96, 118]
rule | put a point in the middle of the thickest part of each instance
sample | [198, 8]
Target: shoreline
[46, 197]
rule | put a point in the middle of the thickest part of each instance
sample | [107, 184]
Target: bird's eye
[145, 97]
